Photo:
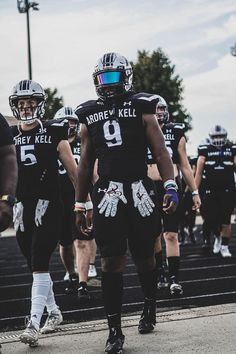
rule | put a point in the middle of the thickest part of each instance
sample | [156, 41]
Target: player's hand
[89, 218]
[170, 201]
[5, 215]
[81, 223]
[40, 210]
[111, 198]
[196, 202]
[142, 200]
[18, 210]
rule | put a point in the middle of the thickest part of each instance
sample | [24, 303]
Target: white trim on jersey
[151, 98]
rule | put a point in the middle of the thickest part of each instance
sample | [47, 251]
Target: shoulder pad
[179, 125]
[56, 122]
[203, 147]
[145, 96]
[83, 107]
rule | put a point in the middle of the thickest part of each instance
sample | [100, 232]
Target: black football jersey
[219, 166]
[5, 132]
[172, 132]
[37, 159]
[118, 135]
[66, 186]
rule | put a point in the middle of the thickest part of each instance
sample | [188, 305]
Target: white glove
[142, 201]
[18, 216]
[40, 210]
[109, 202]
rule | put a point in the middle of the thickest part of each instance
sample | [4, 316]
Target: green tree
[154, 73]
[53, 102]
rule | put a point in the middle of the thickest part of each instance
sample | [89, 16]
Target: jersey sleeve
[146, 103]
[202, 150]
[5, 132]
[83, 109]
[59, 128]
[234, 149]
[179, 131]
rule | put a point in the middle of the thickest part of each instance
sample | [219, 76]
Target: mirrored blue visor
[109, 77]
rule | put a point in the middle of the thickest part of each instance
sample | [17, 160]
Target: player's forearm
[84, 174]
[165, 165]
[189, 178]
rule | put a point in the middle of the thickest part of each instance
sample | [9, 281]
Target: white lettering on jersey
[105, 115]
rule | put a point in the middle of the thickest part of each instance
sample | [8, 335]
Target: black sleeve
[146, 103]
[5, 132]
[60, 129]
[83, 110]
[202, 150]
[234, 149]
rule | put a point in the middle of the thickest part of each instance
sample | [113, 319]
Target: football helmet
[218, 136]
[162, 113]
[113, 76]
[28, 89]
[69, 114]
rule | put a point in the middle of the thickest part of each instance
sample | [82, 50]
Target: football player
[116, 129]
[8, 174]
[84, 245]
[176, 145]
[216, 163]
[38, 212]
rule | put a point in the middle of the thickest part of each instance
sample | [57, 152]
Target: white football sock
[39, 294]
[51, 303]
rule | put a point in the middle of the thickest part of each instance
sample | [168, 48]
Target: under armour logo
[102, 190]
[127, 103]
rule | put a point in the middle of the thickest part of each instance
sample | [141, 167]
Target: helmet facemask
[218, 140]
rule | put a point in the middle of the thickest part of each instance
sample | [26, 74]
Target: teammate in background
[176, 145]
[38, 212]
[8, 176]
[84, 245]
[217, 161]
[188, 214]
[115, 129]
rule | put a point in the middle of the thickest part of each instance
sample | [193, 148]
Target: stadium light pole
[24, 7]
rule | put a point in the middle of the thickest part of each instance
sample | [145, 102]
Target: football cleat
[175, 288]
[30, 335]
[92, 273]
[217, 245]
[53, 320]
[83, 294]
[224, 251]
[72, 284]
[115, 342]
[148, 318]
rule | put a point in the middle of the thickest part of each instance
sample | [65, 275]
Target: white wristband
[89, 205]
[170, 184]
[195, 192]
[79, 206]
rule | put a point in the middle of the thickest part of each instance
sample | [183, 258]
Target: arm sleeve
[5, 132]
[202, 150]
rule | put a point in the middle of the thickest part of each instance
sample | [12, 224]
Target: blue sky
[68, 36]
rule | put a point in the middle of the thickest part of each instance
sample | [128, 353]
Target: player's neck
[26, 127]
